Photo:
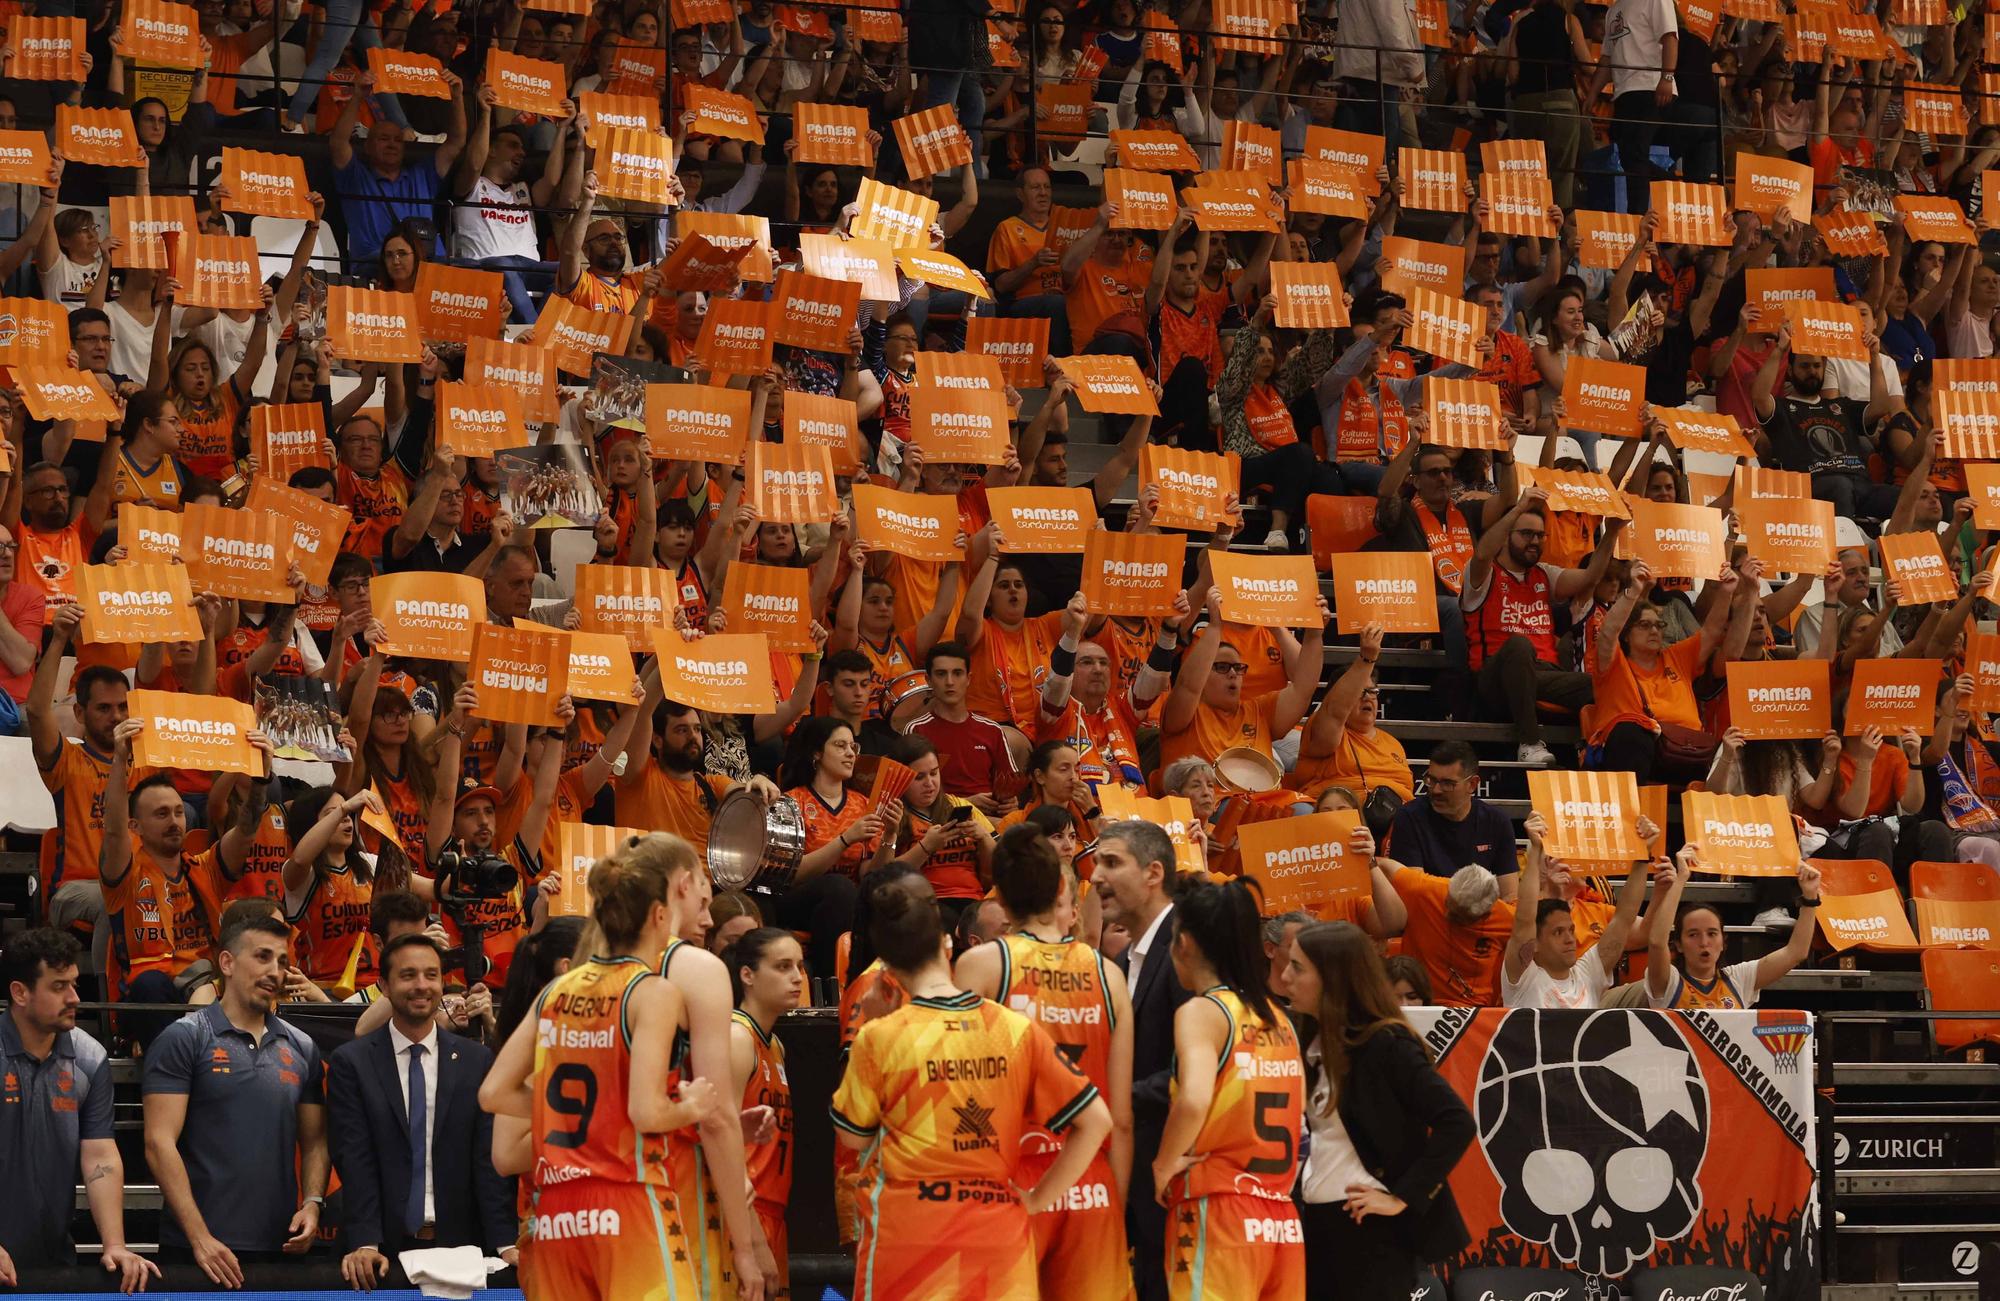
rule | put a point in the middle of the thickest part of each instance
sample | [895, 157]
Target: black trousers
[1513, 681]
[1355, 1262]
[824, 908]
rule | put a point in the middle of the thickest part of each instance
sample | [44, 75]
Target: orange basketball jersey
[770, 1164]
[583, 1052]
[1251, 1134]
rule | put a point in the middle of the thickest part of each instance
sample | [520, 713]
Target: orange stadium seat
[1962, 980]
[1860, 907]
[1958, 904]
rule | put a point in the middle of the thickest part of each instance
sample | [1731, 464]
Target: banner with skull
[1637, 1146]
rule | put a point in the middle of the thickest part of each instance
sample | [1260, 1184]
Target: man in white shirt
[1541, 968]
[494, 221]
[1381, 57]
[1641, 47]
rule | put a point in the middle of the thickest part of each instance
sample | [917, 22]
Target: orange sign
[1982, 663]
[373, 324]
[813, 312]
[702, 13]
[942, 270]
[1935, 217]
[600, 666]
[699, 265]
[140, 221]
[829, 422]
[1304, 862]
[1310, 296]
[1062, 109]
[580, 847]
[1133, 574]
[1514, 158]
[479, 419]
[1019, 344]
[1154, 151]
[289, 437]
[1326, 188]
[881, 26]
[1110, 384]
[866, 262]
[1916, 564]
[315, 528]
[1768, 186]
[735, 336]
[575, 334]
[1354, 151]
[637, 68]
[398, 72]
[1397, 589]
[162, 34]
[918, 525]
[530, 85]
[33, 332]
[1447, 327]
[1781, 700]
[1578, 491]
[1850, 234]
[1145, 199]
[720, 113]
[1741, 835]
[637, 165]
[1225, 208]
[1603, 396]
[606, 112]
[528, 368]
[628, 601]
[197, 733]
[1416, 263]
[1982, 484]
[24, 158]
[1956, 923]
[46, 49]
[149, 533]
[958, 426]
[268, 185]
[1791, 535]
[1704, 431]
[225, 272]
[1267, 591]
[1251, 25]
[102, 137]
[236, 553]
[1591, 816]
[1679, 541]
[699, 422]
[932, 141]
[1969, 419]
[1604, 238]
[1518, 203]
[1828, 330]
[836, 134]
[55, 393]
[1933, 110]
[1042, 521]
[133, 604]
[1195, 487]
[725, 673]
[1691, 213]
[1874, 918]
[790, 485]
[1464, 413]
[1433, 179]
[774, 600]
[1892, 694]
[520, 673]
[428, 616]
[1769, 291]
[458, 304]
[1250, 147]
[730, 231]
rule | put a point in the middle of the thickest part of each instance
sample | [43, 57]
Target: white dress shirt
[428, 1063]
[1144, 945]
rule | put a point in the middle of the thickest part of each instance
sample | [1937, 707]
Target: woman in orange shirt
[1257, 424]
[209, 405]
[1010, 650]
[1644, 686]
[1053, 783]
[844, 828]
[330, 886]
[1342, 746]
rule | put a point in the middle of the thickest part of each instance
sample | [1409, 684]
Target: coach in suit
[1136, 872]
[413, 1147]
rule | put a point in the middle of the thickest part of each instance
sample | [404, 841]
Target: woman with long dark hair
[767, 968]
[1229, 1152]
[330, 883]
[844, 829]
[1386, 1128]
[541, 957]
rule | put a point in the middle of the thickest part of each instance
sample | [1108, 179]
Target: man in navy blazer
[413, 1147]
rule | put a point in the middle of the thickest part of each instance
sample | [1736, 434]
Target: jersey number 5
[1270, 1165]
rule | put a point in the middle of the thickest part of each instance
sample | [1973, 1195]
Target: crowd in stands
[1681, 205]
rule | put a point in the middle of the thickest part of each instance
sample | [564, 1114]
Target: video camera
[464, 877]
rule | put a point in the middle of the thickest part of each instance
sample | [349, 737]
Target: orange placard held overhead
[101, 137]
[1933, 110]
[1445, 327]
[1892, 694]
[942, 270]
[520, 673]
[773, 600]
[580, 847]
[1781, 700]
[33, 332]
[813, 312]
[428, 616]
[1416, 263]
[735, 337]
[1754, 482]
[1145, 200]
[1042, 521]
[1154, 151]
[1354, 151]
[826, 422]
[835, 134]
[1433, 179]
[1110, 383]
[24, 158]
[720, 113]
[529, 85]
[1464, 413]
[1310, 296]
[1935, 217]
[1740, 835]
[196, 733]
[1019, 344]
[1790, 535]
[1225, 208]
[1304, 863]
[600, 667]
[637, 68]
[1982, 665]
[870, 263]
[1969, 419]
[1267, 591]
[1982, 485]
[528, 368]
[699, 266]
[730, 231]
[702, 13]
[289, 437]
[1704, 431]
[225, 272]
[235, 553]
[1691, 213]
[932, 141]
[1397, 589]
[314, 528]
[1592, 816]
[133, 604]
[459, 304]
[1604, 238]
[46, 49]
[56, 393]
[698, 422]
[1137, 575]
[162, 34]
[575, 334]
[1850, 234]
[148, 533]
[790, 485]
[724, 673]
[917, 525]
[1679, 541]
[1577, 490]
[1916, 564]
[1249, 147]
[1195, 487]
[479, 419]
[1768, 186]
[1603, 397]
[1325, 188]
[636, 165]
[398, 72]
[1828, 330]
[268, 185]
[1251, 26]
[1769, 291]
[1518, 204]
[1063, 109]
[372, 324]
[628, 601]
[606, 112]
[959, 426]
[1514, 158]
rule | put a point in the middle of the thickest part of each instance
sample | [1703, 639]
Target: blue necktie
[413, 1214]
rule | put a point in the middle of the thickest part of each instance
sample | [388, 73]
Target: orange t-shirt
[825, 822]
[1358, 762]
[1572, 536]
[1102, 290]
[377, 505]
[207, 440]
[619, 297]
[1885, 784]
[226, 56]
[1464, 961]
[48, 562]
[1625, 692]
[1014, 242]
[1214, 731]
[658, 801]
[1260, 650]
[1008, 669]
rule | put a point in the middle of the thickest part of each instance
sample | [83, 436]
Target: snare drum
[754, 845]
[1250, 793]
[904, 698]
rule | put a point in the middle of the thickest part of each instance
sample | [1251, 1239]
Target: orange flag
[730, 231]
[1222, 208]
[942, 270]
[314, 528]
[1781, 700]
[1970, 422]
[1251, 25]
[1518, 203]
[1769, 291]
[1935, 217]
[289, 437]
[139, 224]
[1420, 263]
[600, 667]
[1154, 151]
[1982, 663]
[102, 137]
[428, 616]
[1304, 862]
[1353, 151]
[636, 165]
[917, 525]
[1828, 330]
[268, 185]
[1741, 835]
[149, 533]
[1330, 189]
[724, 673]
[1145, 199]
[790, 485]
[700, 266]
[132, 604]
[608, 112]
[1892, 695]
[1110, 384]
[1133, 574]
[1982, 484]
[959, 426]
[773, 600]
[36, 333]
[1767, 186]
[197, 733]
[1851, 234]
[1250, 147]
[869, 263]
[520, 673]
[1704, 431]
[54, 393]
[1397, 589]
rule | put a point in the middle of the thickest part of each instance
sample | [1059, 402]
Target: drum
[1246, 771]
[754, 845]
[1251, 792]
[904, 698]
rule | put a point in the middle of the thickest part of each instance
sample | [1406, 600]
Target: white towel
[451, 1272]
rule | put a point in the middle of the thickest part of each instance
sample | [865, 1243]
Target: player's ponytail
[625, 886]
[1222, 921]
[905, 926]
[1027, 872]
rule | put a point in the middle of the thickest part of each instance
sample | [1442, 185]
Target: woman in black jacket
[1386, 1129]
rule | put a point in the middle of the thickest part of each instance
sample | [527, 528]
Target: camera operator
[480, 894]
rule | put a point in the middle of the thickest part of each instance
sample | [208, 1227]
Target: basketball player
[767, 969]
[1067, 988]
[589, 1071]
[1701, 981]
[945, 1088]
[1229, 1154]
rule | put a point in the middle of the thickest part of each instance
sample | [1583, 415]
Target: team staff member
[589, 1072]
[914, 1079]
[1066, 987]
[55, 1118]
[1229, 1156]
[1206, 712]
[767, 968]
